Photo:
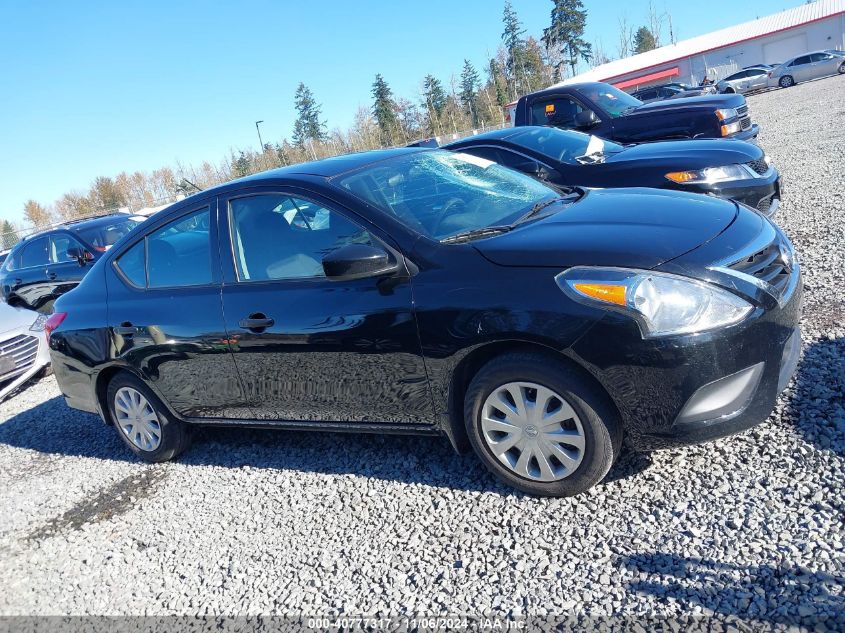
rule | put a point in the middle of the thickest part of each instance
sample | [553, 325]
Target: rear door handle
[51, 274]
[256, 322]
[125, 329]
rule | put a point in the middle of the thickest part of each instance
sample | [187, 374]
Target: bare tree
[655, 23]
[599, 56]
[626, 37]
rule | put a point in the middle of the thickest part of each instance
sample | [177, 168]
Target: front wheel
[143, 422]
[786, 81]
[841, 69]
[540, 427]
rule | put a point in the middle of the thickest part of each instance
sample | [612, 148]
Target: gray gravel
[257, 522]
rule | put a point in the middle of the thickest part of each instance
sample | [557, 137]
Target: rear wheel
[841, 69]
[143, 422]
[786, 81]
[540, 427]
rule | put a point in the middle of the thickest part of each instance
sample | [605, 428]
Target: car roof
[558, 89]
[500, 134]
[328, 167]
[81, 223]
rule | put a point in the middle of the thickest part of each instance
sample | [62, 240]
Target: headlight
[38, 325]
[710, 175]
[727, 113]
[662, 304]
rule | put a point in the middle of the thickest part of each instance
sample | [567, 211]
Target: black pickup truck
[606, 111]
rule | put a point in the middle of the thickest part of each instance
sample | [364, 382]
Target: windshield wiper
[474, 234]
[535, 210]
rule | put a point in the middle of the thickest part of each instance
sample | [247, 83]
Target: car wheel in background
[729, 91]
[540, 427]
[786, 81]
[143, 422]
[841, 69]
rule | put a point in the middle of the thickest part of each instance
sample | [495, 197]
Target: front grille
[742, 110]
[759, 166]
[764, 205]
[745, 122]
[766, 265]
[22, 349]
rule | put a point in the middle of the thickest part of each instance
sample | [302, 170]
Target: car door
[801, 68]
[29, 282]
[823, 65]
[166, 317]
[63, 271]
[307, 347]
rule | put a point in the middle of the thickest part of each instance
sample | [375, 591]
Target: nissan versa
[725, 168]
[424, 291]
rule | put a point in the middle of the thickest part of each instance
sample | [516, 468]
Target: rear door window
[176, 255]
[59, 245]
[801, 61]
[558, 111]
[35, 253]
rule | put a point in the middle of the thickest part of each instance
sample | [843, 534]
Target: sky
[95, 88]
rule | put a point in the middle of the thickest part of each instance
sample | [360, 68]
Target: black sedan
[730, 169]
[424, 291]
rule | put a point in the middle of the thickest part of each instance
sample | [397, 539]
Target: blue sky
[92, 89]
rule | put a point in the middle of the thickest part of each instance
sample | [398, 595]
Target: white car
[744, 81]
[23, 347]
[806, 67]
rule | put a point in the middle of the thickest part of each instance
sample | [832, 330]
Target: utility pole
[260, 142]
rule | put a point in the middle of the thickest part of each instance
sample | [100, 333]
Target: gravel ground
[257, 522]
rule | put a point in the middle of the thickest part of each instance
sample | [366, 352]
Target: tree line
[472, 99]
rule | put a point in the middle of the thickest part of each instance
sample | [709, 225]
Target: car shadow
[55, 429]
[817, 395]
[766, 594]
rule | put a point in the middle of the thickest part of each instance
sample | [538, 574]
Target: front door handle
[125, 329]
[51, 274]
[18, 281]
[256, 322]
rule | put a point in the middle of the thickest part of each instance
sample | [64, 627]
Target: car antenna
[192, 184]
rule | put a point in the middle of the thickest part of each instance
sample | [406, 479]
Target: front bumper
[748, 135]
[762, 194]
[21, 357]
[690, 389]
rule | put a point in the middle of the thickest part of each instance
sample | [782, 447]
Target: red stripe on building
[661, 74]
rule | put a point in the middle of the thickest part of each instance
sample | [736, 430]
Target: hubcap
[137, 419]
[533, 431]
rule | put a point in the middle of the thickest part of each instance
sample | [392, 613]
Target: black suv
[43, 266]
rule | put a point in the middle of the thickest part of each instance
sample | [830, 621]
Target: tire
[786, 81]
[841, 69]
[594, 420]
[173, 435]
[729, 91]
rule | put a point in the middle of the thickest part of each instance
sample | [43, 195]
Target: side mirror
[81, 256]
[586, 119]
[355, 261]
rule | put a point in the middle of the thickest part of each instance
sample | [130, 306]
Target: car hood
[689, 154]
[12, 319]
[703, 102]
[637, 228]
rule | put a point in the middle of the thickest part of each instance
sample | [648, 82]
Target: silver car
[746, 80]
[806, 67]
[23, 347]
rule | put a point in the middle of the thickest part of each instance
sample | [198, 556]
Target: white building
[815, 26]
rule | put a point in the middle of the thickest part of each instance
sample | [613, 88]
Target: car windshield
[610, 99]
[103, 235]
[566, 146]
[441, 194]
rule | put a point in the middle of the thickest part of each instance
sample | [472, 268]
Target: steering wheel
[450, 206]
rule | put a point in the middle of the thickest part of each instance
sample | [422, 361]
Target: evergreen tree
[514, 44]
[468, 94]
[496, 83]
[384, 110]
[8, 235]
[566, 32]
[644, 40]
[434, 102]
[308, 125]
[241, 165]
